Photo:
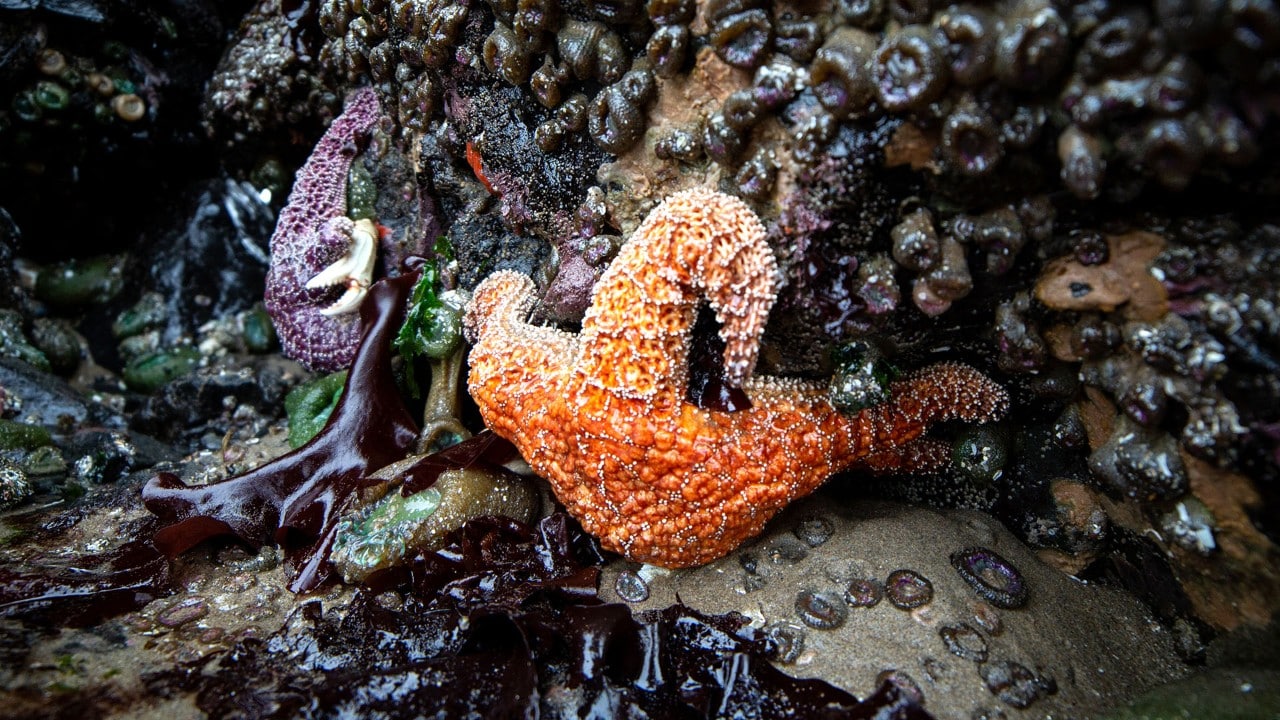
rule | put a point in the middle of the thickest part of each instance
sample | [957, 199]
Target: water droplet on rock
[631, 587]
[820, 610]
[864, 592]
[786, 641]
[908, 589]
[965, 642]
[814, 531]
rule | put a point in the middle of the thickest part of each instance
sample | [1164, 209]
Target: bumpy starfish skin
[312, 233]
[602, 415]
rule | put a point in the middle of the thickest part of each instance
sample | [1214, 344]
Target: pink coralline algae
[321, 260]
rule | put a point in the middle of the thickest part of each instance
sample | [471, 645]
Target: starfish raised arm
[315, 247]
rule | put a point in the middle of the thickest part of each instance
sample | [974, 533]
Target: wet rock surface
[210, 260]
[38, 398]
[238, 391]
[1069, 648]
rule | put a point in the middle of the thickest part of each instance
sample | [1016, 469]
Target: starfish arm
[941, 392]
[635, 334]
[304, 242]
[922, 455]
[513, 363]
[767, 389]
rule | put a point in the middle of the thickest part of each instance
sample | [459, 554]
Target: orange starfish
[602, 415]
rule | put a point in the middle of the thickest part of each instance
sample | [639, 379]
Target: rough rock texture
[1096, 645]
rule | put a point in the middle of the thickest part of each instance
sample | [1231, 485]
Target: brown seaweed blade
[296, 500]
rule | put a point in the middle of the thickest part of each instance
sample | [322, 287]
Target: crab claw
[354, 269]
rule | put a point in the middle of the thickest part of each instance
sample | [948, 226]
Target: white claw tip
[354, 269]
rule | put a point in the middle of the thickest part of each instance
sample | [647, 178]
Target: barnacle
[812, 135]
[741, 31]
[614, 120]
[865, 14]
[503, 10]
[777, 82]
[129, 107]
[548, 83]
[668, 49]
[616, 12]
[505, 56]
[534, 21]
[755, 177]
[839, 74]
[720, 140]
[592, 51]
[670, 12]
[416, 102]
[999, 231]
[382, 60]
[1021, 129]
[550, 135]
[1189, 23]
[915, 241]
[971, 42]
[1171, 151]
[573, 112]
[333, 17]
[1114, 45]
[909, 69]
[408, 15]
[1177, 88]
[1083, 166]
[1254, 25]
[1033, 46]
[1233, 143]
[638, 86]
[741, 110]
[438, 23]
[907, 12]
[948, 281]
[971, 140]
[679, 144]
[797, 38]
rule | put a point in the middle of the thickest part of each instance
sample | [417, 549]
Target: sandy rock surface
[1085, 647]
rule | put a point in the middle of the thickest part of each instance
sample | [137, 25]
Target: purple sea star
[321, 260]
